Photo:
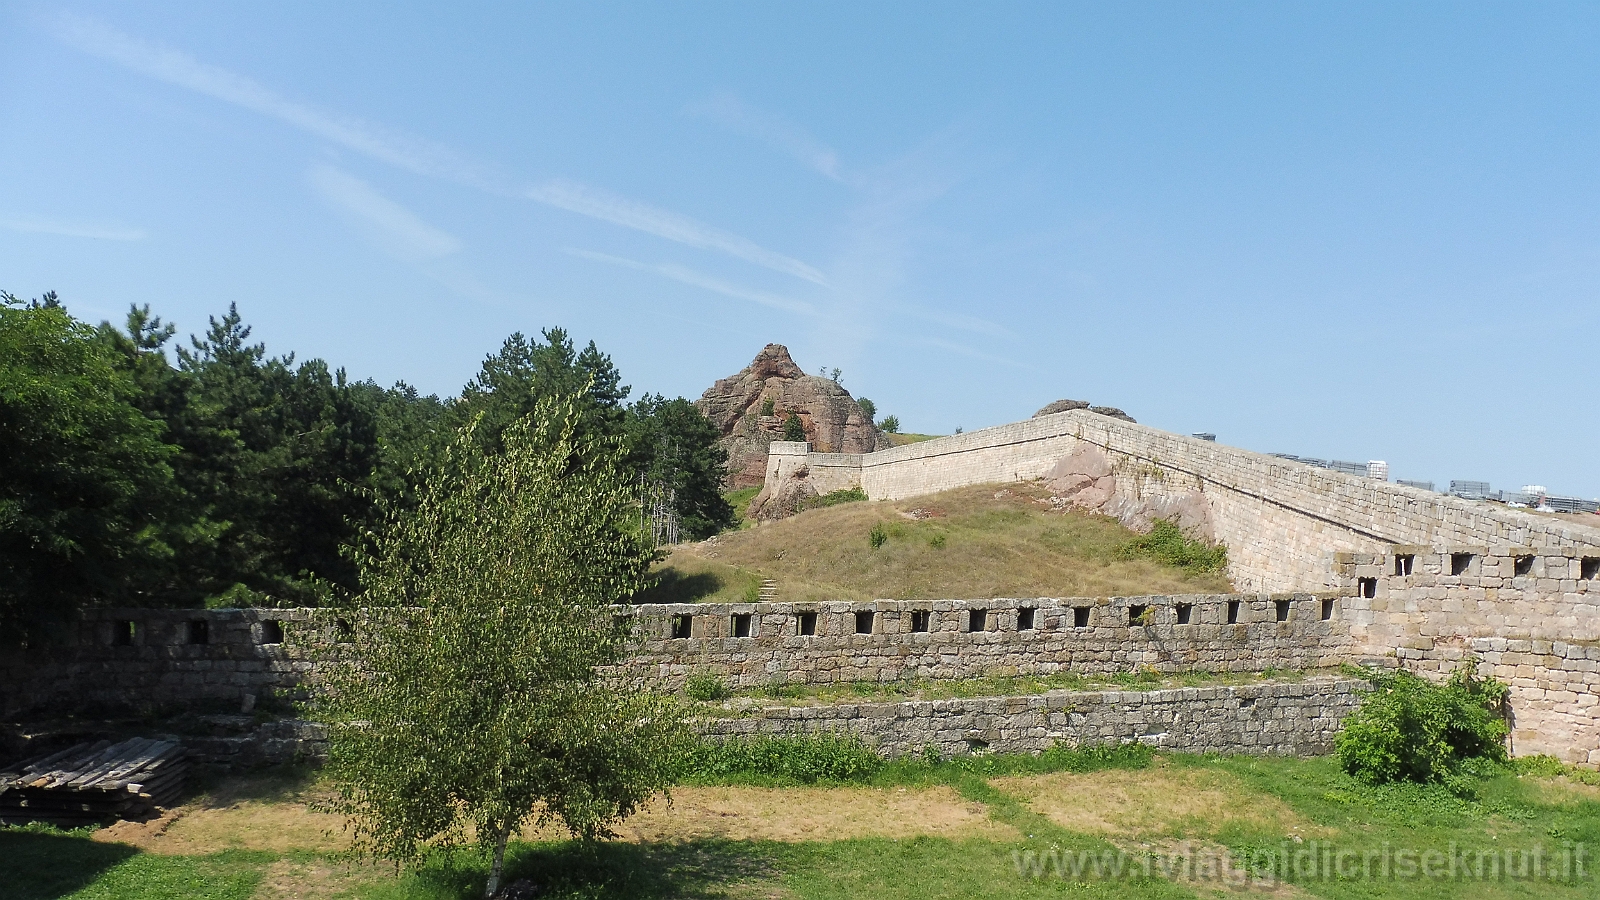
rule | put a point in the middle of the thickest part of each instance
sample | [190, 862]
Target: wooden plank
[136, 754]
[105, 762]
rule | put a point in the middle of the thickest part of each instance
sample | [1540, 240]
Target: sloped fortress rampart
[1427, 580]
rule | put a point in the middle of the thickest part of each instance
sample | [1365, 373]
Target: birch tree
[476, 696]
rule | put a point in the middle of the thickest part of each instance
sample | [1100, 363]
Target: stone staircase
[769, 590]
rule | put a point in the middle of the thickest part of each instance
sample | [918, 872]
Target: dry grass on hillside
[975, 542]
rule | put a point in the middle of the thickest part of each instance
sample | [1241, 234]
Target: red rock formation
[832, 420]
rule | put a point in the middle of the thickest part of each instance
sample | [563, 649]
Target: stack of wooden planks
[93, 783]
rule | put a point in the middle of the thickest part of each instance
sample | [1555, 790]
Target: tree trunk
[499, 863]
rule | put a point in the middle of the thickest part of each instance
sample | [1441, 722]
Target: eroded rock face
[1062, 406]
[832, 420]
[1084, 478]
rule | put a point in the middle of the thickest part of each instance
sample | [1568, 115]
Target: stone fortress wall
[1283, 522]
[132, 659]
[1512, 593]
[150, 661]
[1387, 573]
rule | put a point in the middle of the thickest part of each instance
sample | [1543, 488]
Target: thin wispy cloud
[29, 225]
[388, 224]
[574, 197]
[175, 67]
[733, 113]
[700, 280]
[422, 157]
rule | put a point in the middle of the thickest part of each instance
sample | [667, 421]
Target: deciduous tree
[476, 698]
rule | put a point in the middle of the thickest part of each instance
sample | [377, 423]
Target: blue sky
[1337, 230]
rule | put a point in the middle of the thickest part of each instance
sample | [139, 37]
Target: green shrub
[851, 494]
[1167, 545]
[805, 759]
[877, 536]
[891, 424]
[793, 428]
[868, 407]
[705, 687]
[1409, 729]
[767, 406]
[937, 540]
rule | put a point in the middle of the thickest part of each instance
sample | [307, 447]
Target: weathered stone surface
[1085, 478]
[1257, 720]
[833, 421]
[1113, 412]
[1062, 406]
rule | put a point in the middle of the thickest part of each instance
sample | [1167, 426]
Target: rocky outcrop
[1085, 479]
[1062, 406]
[1068, 405]
[739, 407]
[793, 491]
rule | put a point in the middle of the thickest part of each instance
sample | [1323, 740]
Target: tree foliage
[670, 444]
[146, 474]
[80, 460]
[476, 703]
[793, 429]
[1409, 729]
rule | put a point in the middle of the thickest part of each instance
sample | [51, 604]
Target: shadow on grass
[690, 869]
[668, 585]
[267, 785]
[38, 863]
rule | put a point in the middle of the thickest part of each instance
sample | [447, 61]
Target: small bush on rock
[1409, 729]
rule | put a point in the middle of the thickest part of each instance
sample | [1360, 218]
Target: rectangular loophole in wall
[863, 621]
[806, 624]
[1233, 612]
[1367, 587]
[1589, 568]
[1403, 563]
[1327, 610]
[1460, 563]
[1025, 618]
[741, 624]
[1282, 608]
[1522, 565]
[122, 633]
[1136, 614]
[682, 626]
[1080, 617]
[920, 619]
[1185, 613]
[271, 631]
[977, 619]
[343, 631]
[199, 631]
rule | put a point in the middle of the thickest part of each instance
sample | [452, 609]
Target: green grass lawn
[1262, 809]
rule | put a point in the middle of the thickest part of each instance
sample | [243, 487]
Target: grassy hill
[900, 440]
[975, 542]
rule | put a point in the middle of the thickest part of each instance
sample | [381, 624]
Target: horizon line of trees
[223, 476]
